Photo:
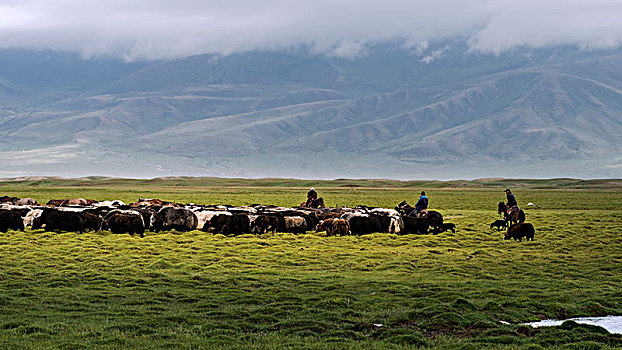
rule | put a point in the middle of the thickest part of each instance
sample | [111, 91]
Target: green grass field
[198, 290]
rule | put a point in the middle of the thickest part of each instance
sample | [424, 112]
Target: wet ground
[613, 324]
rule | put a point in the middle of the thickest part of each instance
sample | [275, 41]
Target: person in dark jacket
[422, 204]
[313, 201]
[511, 199]
[312, 194]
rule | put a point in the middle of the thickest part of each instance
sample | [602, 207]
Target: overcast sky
[153, 29]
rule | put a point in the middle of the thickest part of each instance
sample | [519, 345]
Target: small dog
[499, 224]
[446, 227]
[449, 226]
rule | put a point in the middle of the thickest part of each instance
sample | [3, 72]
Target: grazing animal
[435, 219]
[31, 217]
[92, 221]
[238, 224]
[362, 224]
[99, 211]
[228, 224]
[328, 215]
[275, 223]
[38, 221]
[325, 225]
[124, 221]
[217, 223]
[389, 223]
[146, 212]
[264, 223]
[7, 199]
[415, 225]
[518, 231]
[25, 201]
[499, 224]
[204, 216]
[172, 218]
[115, 203]
[311, 220]
[242, 210]
[385, 212]
[397, 225]
[55, 202]
[69, 221]
[517, 215]
[21, 210]
[340, 227]
[260, 224]
[75, 201]
[154, 201]
[10, 220]
[296, 224]
[334, 227]
[148, 202]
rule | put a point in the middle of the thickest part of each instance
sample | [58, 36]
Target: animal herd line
[148, 214]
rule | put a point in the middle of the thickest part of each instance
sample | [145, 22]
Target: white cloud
[435, 54]
[348, 49]
[595, 24]
[150, 29]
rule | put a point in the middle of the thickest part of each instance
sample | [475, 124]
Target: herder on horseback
[511, 212]
[420, 212]
[422, 205]
[511, 204]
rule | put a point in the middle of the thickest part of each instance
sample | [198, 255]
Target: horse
[435, 219]
[516, 215]
[404, 208]
[313, 203]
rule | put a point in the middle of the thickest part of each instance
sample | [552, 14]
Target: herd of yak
[80, 215]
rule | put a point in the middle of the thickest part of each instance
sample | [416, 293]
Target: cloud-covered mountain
[147, 29]
[439, 112]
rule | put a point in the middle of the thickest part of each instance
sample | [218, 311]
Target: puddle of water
[613, 324]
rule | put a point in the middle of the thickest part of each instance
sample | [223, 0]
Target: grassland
[198, 290]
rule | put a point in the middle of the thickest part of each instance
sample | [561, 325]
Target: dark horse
[435, 218]
[516, 215]
[313, 203]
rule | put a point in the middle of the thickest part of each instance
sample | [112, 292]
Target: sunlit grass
[191, 290]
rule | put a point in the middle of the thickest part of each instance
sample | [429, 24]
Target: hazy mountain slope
[556, 112]
[525, 115]
[537, 116]
[30, 78]
[265, 68]
[281, 129]
[110, 118]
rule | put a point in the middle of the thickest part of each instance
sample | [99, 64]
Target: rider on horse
[421, 205]
[312, 200]
[511, 200]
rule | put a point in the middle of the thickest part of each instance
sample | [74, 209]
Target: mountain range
[440, 113]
